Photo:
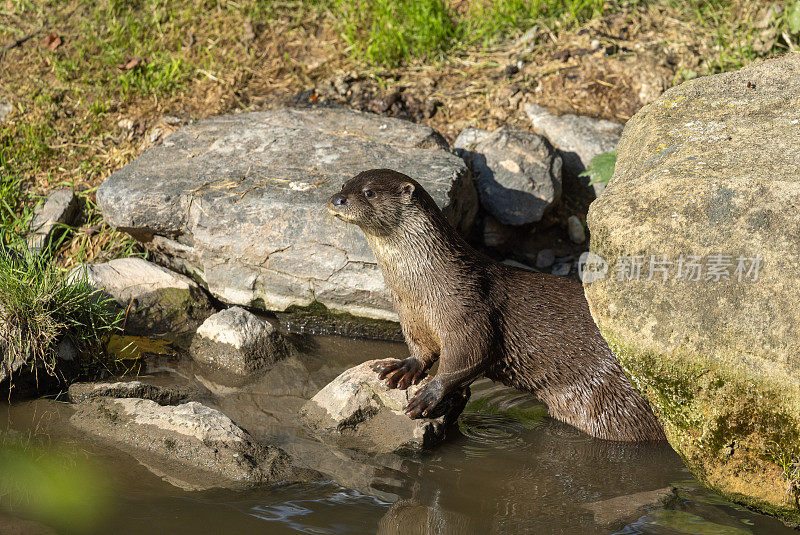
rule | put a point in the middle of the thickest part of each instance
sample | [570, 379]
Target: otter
[527, 330]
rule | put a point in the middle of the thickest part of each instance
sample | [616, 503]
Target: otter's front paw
[400, 373]
[425, 400]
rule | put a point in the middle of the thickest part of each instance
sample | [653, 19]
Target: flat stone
[81, 392]
[60, 208]
[707, 176]
[238, 202]
[190, 445]
[578, 138]
[159, 301]
[518, 173]
[358, 407]
[237, 341]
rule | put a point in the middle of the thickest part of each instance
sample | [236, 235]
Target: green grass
[389, 32]
[40, 305]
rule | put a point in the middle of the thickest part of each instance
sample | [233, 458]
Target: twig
[18, 41]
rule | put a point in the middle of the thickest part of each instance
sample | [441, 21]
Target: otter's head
[377, 200]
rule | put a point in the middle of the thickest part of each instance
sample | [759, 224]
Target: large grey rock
[239, 202]
[237, 341]
[518, 173]
[578, 138]
[190, 445]
[358, 407]
[159, 301]
[710, 171]
[60, 208]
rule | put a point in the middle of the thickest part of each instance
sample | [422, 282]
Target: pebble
[575, 228]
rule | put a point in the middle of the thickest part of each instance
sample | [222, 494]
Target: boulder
[578, 138]
[60, 208]
[518, 173]
[190, 445]
[704, 199]
[238, 202]
[238, 342]
[158, 301]
[361, 410]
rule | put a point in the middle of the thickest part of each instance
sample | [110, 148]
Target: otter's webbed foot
[400, 373]
[424, 402]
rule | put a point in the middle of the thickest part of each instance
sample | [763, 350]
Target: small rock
[126, 123]
[190, 445]
[172, 120]
[545, 258]
[575, 228]
[159, 301]
[578, 138]
[495, 234]
[155, 135]
[5, 109]
[60, 208]
[81, 392]
[468, 138]
[562, 269]
[359, 407]
[518, 173]
[238, 342]
[622, 509]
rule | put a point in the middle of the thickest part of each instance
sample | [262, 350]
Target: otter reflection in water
[479, 317]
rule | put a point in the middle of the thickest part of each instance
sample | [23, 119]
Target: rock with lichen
[702, 199]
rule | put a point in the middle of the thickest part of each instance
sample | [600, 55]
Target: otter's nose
[338, 200]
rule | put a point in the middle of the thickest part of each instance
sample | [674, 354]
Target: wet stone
[238, 342]
[191, 446]
[81, 392]
[358, 409]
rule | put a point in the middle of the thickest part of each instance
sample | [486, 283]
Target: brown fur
[479, 317]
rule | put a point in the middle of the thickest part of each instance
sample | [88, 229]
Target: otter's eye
[368, 193]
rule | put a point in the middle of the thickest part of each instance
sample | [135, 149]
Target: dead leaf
[52, 41]
[131, 63]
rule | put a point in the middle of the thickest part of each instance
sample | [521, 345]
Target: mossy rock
[710, 171]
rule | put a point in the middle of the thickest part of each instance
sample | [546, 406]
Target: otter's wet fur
[479, 317]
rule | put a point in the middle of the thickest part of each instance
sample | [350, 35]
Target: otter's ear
[407, 190]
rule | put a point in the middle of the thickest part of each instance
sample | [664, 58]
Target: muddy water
[508, 469]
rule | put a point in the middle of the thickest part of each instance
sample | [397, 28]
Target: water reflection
[505, 469]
